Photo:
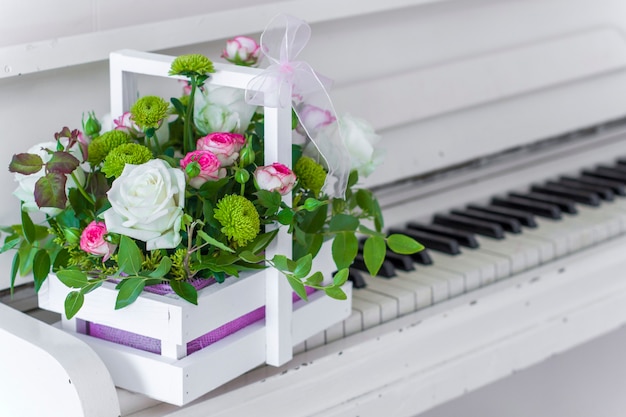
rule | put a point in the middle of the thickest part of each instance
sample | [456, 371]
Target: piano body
[478, 101]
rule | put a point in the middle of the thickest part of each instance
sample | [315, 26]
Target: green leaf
[61, 259]
[178, 105]
[185, 290]
[315, 279]
[15, 266]
[303, 266]
[403, 244]
[26, 163]
[353, 178]
[285, 217]
[341, 277]
[282, 263]
[92, 285]
[343, 222]
[164, 267]
[73, 302]
[72, 278]
[27, 254]
[344, 249]
[336, 293]
[10, 242]
[50, 190]
[374, 251]
[28, 228]
[62, 163]
[129, 256]
[313, 221]
[212, 241]
[251, 257]
[41, 267]
[261, 241]
[129, 290]
[364, 199]
[297, 286]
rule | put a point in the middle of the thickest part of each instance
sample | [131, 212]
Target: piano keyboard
[470, 247]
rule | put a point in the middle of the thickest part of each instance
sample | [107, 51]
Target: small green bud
[91, 126]
[193, 169]
[246, 155]
[242, 176]
[311, 204]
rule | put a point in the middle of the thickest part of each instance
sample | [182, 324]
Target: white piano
[516, 108]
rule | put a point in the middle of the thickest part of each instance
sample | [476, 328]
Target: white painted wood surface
[46, 372]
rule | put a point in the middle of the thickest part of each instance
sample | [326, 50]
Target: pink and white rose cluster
[224, 145]
[208, 167]
[93, 240]
[275, 177]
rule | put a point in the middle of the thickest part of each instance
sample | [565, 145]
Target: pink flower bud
[224, 145]
[275, 177]
[241, 50]
[92, 240]
[209, 167]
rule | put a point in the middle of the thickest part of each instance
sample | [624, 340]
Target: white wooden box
[172, 376]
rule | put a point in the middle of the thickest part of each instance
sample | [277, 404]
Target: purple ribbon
[288, 82]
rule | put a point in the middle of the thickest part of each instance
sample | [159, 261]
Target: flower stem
[188, 127]
[81, 189]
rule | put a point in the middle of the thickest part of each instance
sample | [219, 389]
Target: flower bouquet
[179, 193]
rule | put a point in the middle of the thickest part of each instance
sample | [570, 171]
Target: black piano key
[617, 187]
[422, 257]
[464, 238]
[619, 167]
[357, 279]
[604, 193]
[566, 205]
[431, 241]
[583, 197]
[608, 174]
[386, 270]
[481, 227]
[524, 217]
[621, 161]
[550, 211]
[509, 224]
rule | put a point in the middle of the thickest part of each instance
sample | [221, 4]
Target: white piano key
[471, 269]
[387, 306]
[370, 312]
[439, 287]
[422, 294]
[354, 323]
[405, 299]
[314, 341]
[501, 263]
[521, 253]
[547, 230]
[334, 332]
[454, 281]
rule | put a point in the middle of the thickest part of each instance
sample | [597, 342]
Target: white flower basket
[173, 376]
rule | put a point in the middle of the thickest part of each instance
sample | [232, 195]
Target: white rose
[147, 204]
[360, 140]
[221, 109]
[25, 190]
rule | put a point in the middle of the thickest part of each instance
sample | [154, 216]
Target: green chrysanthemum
[310, 174]
[149, 111]
[100, 147]
[239, 218]
[192, 64]
[129, 153]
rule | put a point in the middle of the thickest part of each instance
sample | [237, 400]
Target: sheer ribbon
[288, 82]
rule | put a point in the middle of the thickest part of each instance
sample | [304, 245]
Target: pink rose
[314, 118]
[125, 124]
[209, 166]
[275, 177]
[92, 240]
[241, 50]
[224, 145]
